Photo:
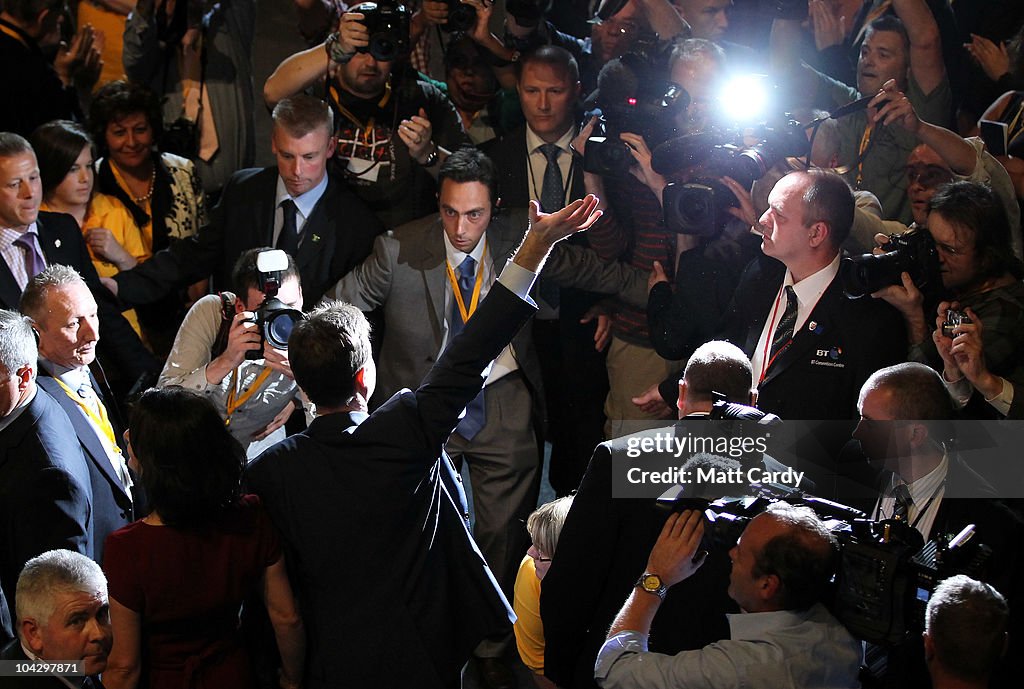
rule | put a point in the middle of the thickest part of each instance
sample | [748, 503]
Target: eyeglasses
[928, 176]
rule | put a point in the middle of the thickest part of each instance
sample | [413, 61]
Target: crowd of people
[494, 237]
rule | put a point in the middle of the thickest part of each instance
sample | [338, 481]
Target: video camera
[885, 574]
[388, 25]
[913, 252]
[274, 319]
[699, 206]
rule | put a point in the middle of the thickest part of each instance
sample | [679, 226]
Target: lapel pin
[56, 243]
[316, 238]
[812, 326]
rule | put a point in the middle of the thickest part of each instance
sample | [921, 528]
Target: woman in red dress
[178, 577]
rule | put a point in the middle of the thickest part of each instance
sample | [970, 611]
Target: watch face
[652, 582]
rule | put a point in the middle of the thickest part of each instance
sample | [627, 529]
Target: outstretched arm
[926, 63]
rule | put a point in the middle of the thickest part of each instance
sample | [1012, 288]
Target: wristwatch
[335, 53]
[432, 159]
[652, 583]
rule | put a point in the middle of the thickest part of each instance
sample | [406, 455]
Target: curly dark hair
[117, 100]
[191, 465]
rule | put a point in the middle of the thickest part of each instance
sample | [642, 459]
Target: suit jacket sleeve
[369, 284]
[181, 263]
[574, 584]
[575, 266]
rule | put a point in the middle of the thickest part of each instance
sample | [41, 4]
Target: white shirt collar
[534, 142]
[456, 257]
[922, 490]
[304, 202]
[809, 290]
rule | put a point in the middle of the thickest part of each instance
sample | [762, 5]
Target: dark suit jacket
[61, 241]
[45, 492]
[337, 235]
[819, 376]
[508, 153]
[112, 507]
[12, 651]
[391, 586]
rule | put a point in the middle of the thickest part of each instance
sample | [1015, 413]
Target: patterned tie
[476, 415]
[903, 502]
[552, 193]
[34, 261]
[784, 330]
[288, 240]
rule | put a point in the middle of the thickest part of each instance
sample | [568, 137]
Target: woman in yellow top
[65, 154]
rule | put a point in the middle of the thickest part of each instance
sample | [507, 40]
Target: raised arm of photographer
[304, 69]
[926, 64]
[961, 157]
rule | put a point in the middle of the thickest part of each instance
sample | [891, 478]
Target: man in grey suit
[438, 269]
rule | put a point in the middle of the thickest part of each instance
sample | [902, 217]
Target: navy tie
[288, 240]
[552, 193]
[476, 415]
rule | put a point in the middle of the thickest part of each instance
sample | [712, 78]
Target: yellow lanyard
[101, 420]
[865, 143]
[234, 400]
[457, 291]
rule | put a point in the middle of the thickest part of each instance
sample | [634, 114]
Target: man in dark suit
[63, 313]
[605, 543]
[420, 596]
[905, 412]
[30, 240]
[45, 493]
[536, 162]
[811, 348]
[295, 206]
[62, 615]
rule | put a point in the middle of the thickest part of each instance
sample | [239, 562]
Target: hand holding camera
[675, 554]
[891, 106]
[352, 33]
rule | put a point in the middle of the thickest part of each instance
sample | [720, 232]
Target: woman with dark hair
[65, 154]
[160, 190]
[178, 577]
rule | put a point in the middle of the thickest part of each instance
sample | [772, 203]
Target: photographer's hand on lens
[244, 336]
[432, 13]
[651, 402]
[481, 31]
[579, 144]
[657, 275]
[352, 33]
[909, 301]
[416, 134]
[829, 29]
[637, 148]
[746, 212]
[891, 106]
[673, 555]
[278, 421]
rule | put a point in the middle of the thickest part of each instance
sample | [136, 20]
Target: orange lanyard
[13, 34]
[235, 400]
[457, 291]
[368, 127]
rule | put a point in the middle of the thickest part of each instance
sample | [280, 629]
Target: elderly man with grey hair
[45, 493]
[62, 617]
[64, 314]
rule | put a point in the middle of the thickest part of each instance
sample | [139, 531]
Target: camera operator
[781, 566]
[609, 38]
[633, 227]
[979, 272]
[255, 397]
[926, 484]
[393, 130]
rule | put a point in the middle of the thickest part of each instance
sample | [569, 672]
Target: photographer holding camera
[393, 130]
[981, 278]
[784, 636]
[220, 352]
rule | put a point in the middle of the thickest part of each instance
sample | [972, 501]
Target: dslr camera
[461, 17]
[388, 26]
[274, 319]
[912, 252]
